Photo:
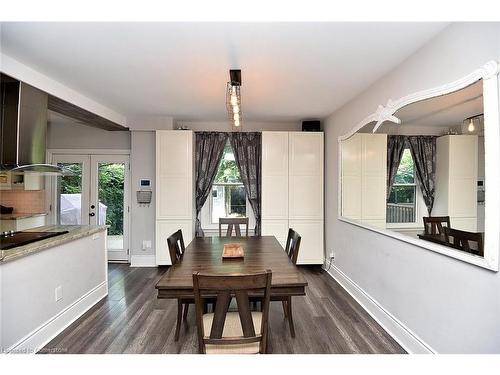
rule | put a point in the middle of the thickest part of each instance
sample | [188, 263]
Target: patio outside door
[97, 193]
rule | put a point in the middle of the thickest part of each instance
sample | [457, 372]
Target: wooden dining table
[204, 254]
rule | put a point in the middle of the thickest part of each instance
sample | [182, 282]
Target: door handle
[92, 214]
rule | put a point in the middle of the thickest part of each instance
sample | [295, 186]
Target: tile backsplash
[24, 201]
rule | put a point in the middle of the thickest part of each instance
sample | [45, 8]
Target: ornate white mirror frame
[488, 73]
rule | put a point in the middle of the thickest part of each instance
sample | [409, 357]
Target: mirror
[420, 177]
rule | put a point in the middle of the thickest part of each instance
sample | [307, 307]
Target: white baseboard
[39, 337]
[401, 333]
[143, 261]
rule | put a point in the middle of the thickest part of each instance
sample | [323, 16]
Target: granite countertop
[74, 232]
[19, 216]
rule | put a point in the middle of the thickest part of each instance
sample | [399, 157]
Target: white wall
[250, 126]
[29, 314]
[451, 305]
[76, 136]
[142, 224]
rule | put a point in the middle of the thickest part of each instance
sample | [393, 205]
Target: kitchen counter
[74, 232]
[19, 216]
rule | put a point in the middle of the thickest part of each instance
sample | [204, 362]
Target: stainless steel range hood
[23, 130]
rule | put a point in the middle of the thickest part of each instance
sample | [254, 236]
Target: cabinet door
[311, 244]
[306, 176]
[351, 177]
[374, 180]
[275, 176]
[276, 228]
[174, 174]
[462, 193]
[164, 229]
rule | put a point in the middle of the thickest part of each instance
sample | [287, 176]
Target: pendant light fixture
[233, 98]
[473, 123]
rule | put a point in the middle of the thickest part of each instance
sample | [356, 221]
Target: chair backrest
[176, 247]
[233, 222]
[462, 240]
[292, 245]
[434, 224]
[225, 287]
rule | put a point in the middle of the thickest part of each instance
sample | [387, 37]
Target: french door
[96, 193]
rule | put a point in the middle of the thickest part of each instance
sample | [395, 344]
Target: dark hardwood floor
[132, 320]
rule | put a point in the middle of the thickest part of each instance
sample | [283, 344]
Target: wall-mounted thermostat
[144, 183]
[144, 194]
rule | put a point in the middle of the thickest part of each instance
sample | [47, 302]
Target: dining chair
[176, 249]
[232, 332]
[462, 240]
[233, 222]
[434, 224]
[292, 250]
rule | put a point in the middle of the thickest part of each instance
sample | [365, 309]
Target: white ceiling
[446, 110]
[290, 71]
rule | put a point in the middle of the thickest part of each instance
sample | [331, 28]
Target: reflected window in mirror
[402, 201]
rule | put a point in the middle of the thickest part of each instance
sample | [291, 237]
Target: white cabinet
[364, 174]
[292, 190]
[456, 180]
[174, 189]
[33, 181]
[275, 185]
[22, 223]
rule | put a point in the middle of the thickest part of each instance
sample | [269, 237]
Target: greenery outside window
[228, 198]
[402, 202]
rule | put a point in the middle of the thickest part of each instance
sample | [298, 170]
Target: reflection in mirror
[424, 177]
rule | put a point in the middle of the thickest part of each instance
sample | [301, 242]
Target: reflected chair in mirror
[232, 332]
[469, 242]
[176, 249]
[434, 225]
[233, 222]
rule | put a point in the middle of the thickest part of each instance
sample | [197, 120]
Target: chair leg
[283, 303]
[186, 308]
[179, 320]
[290, 318]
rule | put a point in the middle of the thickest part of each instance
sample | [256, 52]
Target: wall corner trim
[41, 336]
[143, 261]
[400, 332]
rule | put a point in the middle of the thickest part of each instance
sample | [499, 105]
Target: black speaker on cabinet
[311, 126]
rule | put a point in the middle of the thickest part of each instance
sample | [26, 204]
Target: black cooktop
[14, 239]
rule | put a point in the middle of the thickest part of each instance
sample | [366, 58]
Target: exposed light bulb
[236, 109]
[236, 117]
[471, 126]
[234, 100]
[236, 123]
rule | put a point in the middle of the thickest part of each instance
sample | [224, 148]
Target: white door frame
[120, 155]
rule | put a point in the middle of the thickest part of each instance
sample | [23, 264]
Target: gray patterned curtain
[395, 146]
[209, 151]
[423, 151]
[247, 149]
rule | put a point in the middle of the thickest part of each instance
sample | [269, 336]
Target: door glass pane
[111, 184]
[69, 190]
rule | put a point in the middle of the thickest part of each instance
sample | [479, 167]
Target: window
[401, 206]
[228, 193]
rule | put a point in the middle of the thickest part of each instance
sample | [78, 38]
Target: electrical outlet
[332, 254]
[58, 293]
